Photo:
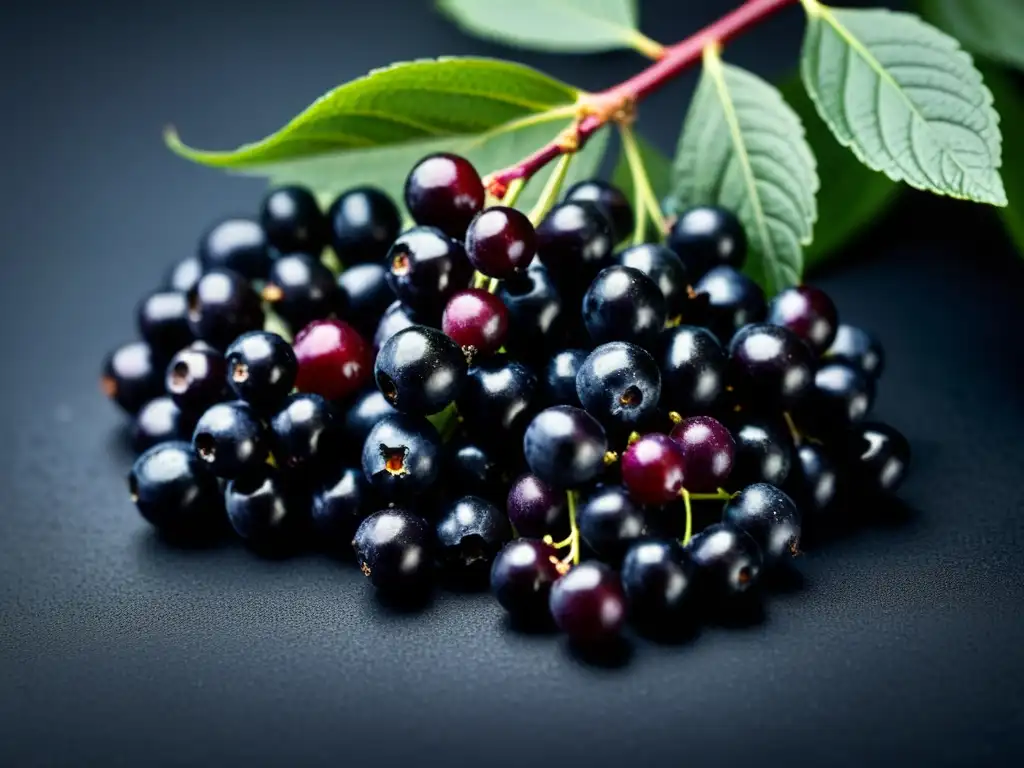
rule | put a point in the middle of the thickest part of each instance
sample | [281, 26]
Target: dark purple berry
[657, 576]
[654, 469]
[470, 534]
[858, 348]
[558, 383]
[728, 561]
[610, 200]
[444, 191]
[665, 268]
[231, 440]
[809, 313]
[588, 603]
[877, 457]
[574, 241]
[132, 376]
[476, 320]
[619, 384]
[160, 421]
[770, 517]
[708, 450]
[536, 509]
[770, 367]
[402, 456]
[501, 242]
[366, 294]
[521, 578]
[261, 369]
[268, 512]
[334, 360]
[396, 317]
[609, 522]
[196, 377]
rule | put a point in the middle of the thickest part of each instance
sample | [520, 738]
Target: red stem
[675, 59]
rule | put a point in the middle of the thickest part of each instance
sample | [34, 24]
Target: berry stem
[617, 103]
[646, 202]
[798, 439]
[688, 533]
[643, 45]
[514, 190]
[574, 531]
[549, 195]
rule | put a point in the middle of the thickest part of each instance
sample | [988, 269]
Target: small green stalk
[645, 202]
[552, 189]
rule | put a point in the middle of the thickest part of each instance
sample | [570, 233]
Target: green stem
[643, 45]
[552, 188]
[515, 189]
[574, 531]
[645, 201]
[688, 533]
[720, 494]
[492, 285]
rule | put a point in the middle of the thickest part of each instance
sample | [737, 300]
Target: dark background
[904, 642]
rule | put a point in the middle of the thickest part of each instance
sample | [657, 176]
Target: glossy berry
[619, 384]
[366, 295]
[565, 446]
[709, 451]
[293, 222]
[162, 319]
[877, 456]
[402, 456]
[764, 453]
[521, 578]
[444, 191]
[500, 242]
[534, 313]
[222, 306]
[230, 439]
[334, 361]
[588, 603]
[734, 300]
[395, 549]
[498, 400]
[470, 534]
[610, 200]
[657, 577]
[858, 348]
[183, 275]
[693, 370]
[476, 320]
[558, 382]
[396, 317]
[159, 421]
[420, 370]
[574, 241]
[814, 480]
[609, 522]
[809, 313]
[536, 509]
[305, 433]
[267, 511]
[841, 395]
[236, 244]
[261, 369]
[473, 469]
[770, 517]
[665, 268]
[770, 366]
[623, 304]
[301, 289]
[706, 237]
[426, 268]
[132, 376]
[728, 561]
[366, 410]
[196, 377]
[174, 492]
[362, 224]
[340, 503]
[654, 469]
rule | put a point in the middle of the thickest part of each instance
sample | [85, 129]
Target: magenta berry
[653, 469]
[476, 320]
[501, 242]
[444, 191]
[809, 313]
[708, 449]
[334, 360]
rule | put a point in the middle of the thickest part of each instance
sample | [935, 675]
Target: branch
[618, 102]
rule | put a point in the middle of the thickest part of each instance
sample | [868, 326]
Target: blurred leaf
[905, 98]
[1010, 103]
[570, 26]
[992, 28]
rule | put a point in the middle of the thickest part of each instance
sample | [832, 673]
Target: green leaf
[656, 163]
[906, 99]
[1010, 103]
[572, 26]
[991, 28]
[743, 148]
[373, 130]
[851, 197]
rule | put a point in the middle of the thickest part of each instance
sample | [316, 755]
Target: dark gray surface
[904, 642]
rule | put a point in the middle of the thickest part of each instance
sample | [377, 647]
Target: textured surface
[903, 644]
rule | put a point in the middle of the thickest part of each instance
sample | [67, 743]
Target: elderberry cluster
[534, 406]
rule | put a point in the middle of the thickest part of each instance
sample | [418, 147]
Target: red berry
[444, 191]
[653, 469]
[334, 360]
[500, 242]
[708, 449]
[809, 313]
[476, 319]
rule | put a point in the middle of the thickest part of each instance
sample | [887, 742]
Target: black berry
[395, 549]
[402, 456]
[236, 244]
[425, 268]
[706, 237]
[619, 383]
[261, 369]
[734, 300]
[610, 522]
[501, 242]
[174, 492]
[301, 289]
[222, 306]
[470, 534]
[769, 516]
[230, 439]
[162, 318]
[132, 376]
[610, 200]
[623, 304]
[196, 377]
[565, 446]
[420, 370]
[362, 224]
[293, 222]
[665, 268]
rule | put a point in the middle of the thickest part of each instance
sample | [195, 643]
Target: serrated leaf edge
[816, 9]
